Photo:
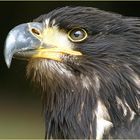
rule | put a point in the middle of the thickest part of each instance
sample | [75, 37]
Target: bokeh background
[20, 105]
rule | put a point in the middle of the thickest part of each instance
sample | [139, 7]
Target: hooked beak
[20, 43]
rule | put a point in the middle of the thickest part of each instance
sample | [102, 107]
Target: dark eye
[35, 31]
[77, 35]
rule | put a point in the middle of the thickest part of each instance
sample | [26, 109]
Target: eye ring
[77, 34]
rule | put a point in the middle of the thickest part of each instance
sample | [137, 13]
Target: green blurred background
[20, 106]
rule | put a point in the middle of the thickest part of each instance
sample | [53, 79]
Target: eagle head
[87, 63]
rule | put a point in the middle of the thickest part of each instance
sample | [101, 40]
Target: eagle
[86, 64]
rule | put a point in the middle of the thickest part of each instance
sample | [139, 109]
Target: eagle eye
[77, 35]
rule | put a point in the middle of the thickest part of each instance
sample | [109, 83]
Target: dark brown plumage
[87, 64]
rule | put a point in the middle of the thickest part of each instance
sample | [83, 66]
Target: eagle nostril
[35, 31]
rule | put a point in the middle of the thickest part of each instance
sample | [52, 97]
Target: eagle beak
[20, 42]
[33, 40]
